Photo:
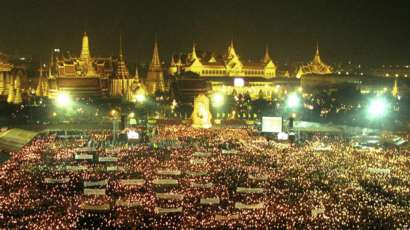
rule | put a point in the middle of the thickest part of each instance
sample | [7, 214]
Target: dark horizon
[366, 32]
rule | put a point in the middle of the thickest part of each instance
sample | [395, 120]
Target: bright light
[131, 115]
[293, 100]
[114, 112]
[238, 82]
[63, 100]
[217, 100]
[140, 98]
[377, 108]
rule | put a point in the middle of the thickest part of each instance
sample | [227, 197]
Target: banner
[249, 190]
[108, 159]
[169, 172]
[379, 171]
[197, 161]
[127, 203]
[73, 168]
[94, 191]
[132, 181]
[210, 201]
[227, 217]
[56, 180]
[317, 211]
[159, 210]
[102, 207]
[165, 182]
[83, 157]
[260, 177]
[114, 168]
[85, 149]
[198, 185]
[200, 173]
[95, 183]
[230, 152]
[169, 196]
[240, 205]
[201, 154]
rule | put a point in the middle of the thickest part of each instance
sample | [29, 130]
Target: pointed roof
[173, 63]
[155, 62]
[395, 91]
[194, 56]
[122, 71]
[231, 51]
[85, 48]
[316, 58]
[266, 58]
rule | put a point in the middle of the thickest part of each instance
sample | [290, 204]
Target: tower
[10, 96]
[85, 57]
[122, 71]
[17, 87]
[155, 76]
[395, 90]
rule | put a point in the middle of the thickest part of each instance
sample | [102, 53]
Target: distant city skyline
[367, 32]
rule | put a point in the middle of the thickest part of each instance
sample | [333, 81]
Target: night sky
[368, 32]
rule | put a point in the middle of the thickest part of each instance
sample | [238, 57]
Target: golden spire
[155, 62]
[266, 58]
[316, 59]
[193, 55]
[172, 61]
[395, 91]
[85, 49]
[231, 50]
[122, 71]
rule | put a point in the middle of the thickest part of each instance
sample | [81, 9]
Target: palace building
[316, 66]
[229, 65]
[11, 78]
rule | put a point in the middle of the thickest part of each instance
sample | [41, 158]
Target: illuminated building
[10, 81]
[228, 65]
[316, 66]
[123, 84]
[155, 77]
[82, 76]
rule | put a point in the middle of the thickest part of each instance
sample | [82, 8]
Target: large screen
[132, 135]
[271, 124]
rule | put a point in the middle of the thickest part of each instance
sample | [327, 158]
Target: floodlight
[140, 98]
[377, 107]
[217, 100]
[63, 99]
[293, 100]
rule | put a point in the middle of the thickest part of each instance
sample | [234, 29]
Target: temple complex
[82, 76]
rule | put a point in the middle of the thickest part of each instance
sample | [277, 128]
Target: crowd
[248, 182]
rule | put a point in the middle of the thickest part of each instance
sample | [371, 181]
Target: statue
[201, 116]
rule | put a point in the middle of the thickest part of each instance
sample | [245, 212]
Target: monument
[201, 116]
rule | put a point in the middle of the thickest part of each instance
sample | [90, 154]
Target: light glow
[63, 100]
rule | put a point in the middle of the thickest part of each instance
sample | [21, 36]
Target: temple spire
[85, 49]
[194, 55]
[395, 91]
[266, 58]
[317, 59]
[122, 71]
[231, 50]
[155, 62]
